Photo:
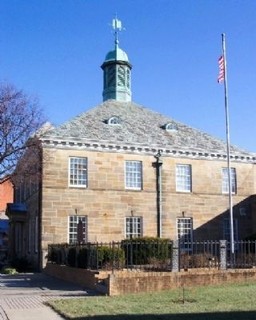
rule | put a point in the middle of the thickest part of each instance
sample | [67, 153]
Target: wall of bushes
[147, 252]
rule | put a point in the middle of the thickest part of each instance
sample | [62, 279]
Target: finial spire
[117, 70]
[117, 27]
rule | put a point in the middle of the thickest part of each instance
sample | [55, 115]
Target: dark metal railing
[199, 254]
[154, 255]
[129, 254]
[244, 255]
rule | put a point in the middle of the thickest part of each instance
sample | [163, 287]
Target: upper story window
[225, 182]
[78, 172]
[183, 178]
[133, 175]
[114, 120]
[133, 227]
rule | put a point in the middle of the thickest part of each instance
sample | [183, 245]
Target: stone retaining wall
[124, 282]
[134, 282]
[87, 278]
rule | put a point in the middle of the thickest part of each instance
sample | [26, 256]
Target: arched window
[170, 127]
[114, 120]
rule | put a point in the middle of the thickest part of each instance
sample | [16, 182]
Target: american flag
[221, 75]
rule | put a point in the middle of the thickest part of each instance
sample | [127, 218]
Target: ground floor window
[185, 232]
[133, 227]
[226, 229]
[78, 229]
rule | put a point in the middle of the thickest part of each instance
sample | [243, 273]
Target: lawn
[236, 302]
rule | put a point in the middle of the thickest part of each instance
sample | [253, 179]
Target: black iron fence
[155, 255]
[244, 255]
[146, 254]
[199, 254]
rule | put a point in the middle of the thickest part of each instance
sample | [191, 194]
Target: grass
[8, 270]
[236, 302]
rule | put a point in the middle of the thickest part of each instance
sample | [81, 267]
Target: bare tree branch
[20, 118]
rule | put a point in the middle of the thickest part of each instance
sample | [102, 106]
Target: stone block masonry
[125, 282]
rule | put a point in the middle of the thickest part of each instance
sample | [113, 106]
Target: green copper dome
[117, 75]
[116, 55]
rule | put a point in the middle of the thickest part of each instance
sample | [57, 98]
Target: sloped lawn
[200, 303]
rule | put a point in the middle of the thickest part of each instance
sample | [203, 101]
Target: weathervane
[117, 27]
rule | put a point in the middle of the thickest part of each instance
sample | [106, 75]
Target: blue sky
[53, 49]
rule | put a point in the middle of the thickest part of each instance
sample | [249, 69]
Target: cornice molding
[140, 149]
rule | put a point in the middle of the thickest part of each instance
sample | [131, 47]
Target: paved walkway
[22, 296]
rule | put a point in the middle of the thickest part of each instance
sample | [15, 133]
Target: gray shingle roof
[139, 126]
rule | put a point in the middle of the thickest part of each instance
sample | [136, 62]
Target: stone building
[121, 170]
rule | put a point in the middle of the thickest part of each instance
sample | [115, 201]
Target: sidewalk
[22, 296]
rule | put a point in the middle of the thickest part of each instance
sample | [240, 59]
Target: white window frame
[114, 121]
[183, 178]
[78, 172]
[225, 184]
[133, 175]
[184, 227]
[133, 227]
[73, 221]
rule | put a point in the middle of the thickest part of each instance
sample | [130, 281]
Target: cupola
[117, 71]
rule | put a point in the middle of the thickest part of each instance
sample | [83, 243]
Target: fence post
[223, 254]
[175, 256]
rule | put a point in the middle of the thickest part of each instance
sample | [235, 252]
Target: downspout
[40, 191]
[158, 165]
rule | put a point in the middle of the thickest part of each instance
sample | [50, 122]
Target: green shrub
[94, 257]
[108, 257]
[55, 255]
[72, 257]
[21, 264]
[8, 270]
[252, 237]
[141, 251]
[83, 258]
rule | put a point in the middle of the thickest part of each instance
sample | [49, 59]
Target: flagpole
[228, 148]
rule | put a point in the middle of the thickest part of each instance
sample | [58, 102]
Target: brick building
[6, 196]
[121, 170]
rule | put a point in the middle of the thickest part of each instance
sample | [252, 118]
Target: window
[185, 232]
[114, 120]
[128, 78]
[226, 229]
[77, 229]
[183, 177]
[78, 172]
[133, 175]
[170, 127]
[225, 186]
[133, 227]
[121, 76]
